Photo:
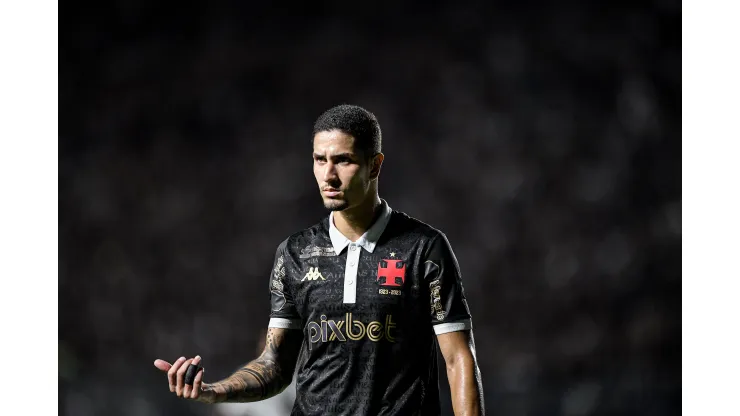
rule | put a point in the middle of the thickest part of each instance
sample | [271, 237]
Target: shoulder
[310, 236]
[404, 223]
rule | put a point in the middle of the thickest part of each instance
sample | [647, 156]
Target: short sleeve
[447, 304]
[283, 313]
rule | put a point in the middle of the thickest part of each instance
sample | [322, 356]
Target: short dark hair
[355, 121]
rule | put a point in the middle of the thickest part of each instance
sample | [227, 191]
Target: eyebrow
[337, 156]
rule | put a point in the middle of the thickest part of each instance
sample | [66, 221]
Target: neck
[354, 222]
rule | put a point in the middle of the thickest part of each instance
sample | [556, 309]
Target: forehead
[333, 142]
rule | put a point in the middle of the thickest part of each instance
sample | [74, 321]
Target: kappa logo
[313, 274]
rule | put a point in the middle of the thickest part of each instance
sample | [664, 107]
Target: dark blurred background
[543, 139]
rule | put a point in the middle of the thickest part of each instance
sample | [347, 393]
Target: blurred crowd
[543, 140]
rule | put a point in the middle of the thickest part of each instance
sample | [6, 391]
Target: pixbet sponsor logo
[330, 330]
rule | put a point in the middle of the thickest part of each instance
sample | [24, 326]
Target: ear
[375, 164]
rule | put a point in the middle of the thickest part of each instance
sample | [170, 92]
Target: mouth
[331, 192]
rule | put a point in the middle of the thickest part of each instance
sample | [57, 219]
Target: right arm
[272, 371]
[264, 377]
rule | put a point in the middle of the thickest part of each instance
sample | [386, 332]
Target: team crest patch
[391, 272]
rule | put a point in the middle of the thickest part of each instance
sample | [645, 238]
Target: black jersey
[369, 311]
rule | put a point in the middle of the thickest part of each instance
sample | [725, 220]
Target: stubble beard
[336, 205]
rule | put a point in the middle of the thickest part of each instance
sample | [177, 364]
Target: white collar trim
[369, 239]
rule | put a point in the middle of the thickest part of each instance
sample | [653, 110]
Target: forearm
[465, 386]
[258, 380]
[264, 377]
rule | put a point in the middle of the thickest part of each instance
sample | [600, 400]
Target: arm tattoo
[266, 376]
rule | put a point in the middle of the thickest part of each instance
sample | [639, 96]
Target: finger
[196, 384]
[180, 387]
[196, 360]
[162, 365]
[190, 376]
[172, 373]
[192, 370]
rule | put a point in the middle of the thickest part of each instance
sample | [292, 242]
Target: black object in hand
[191, 373]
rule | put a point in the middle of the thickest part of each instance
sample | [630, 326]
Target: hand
[199, 391]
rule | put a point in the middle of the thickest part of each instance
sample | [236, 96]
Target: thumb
[162, 365]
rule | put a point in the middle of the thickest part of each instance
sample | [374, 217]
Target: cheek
[358, 178]
[345, 176]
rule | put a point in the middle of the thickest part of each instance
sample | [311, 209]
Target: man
[360, 301]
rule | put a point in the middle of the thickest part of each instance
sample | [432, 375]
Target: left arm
[466, 387]
[451, 320]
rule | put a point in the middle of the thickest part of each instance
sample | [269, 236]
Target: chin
[336, 204]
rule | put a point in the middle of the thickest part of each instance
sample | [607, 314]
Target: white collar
[369, 239]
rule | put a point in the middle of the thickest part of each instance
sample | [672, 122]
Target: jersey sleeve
[283, 313]
[448, 307]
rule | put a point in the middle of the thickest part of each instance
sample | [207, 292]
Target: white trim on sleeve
[452, 326]
[284, 323]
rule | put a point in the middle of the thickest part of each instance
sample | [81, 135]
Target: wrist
[211, 393]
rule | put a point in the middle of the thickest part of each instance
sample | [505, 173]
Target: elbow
[280, 388]
[285, 384]
[284, 381]
[460, 361]
[276, 386]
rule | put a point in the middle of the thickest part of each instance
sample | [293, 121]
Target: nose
[330, 172]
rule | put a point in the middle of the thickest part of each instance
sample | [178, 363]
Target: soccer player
[359, 301]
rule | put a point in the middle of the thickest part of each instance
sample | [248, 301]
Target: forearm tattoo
[264, 377]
